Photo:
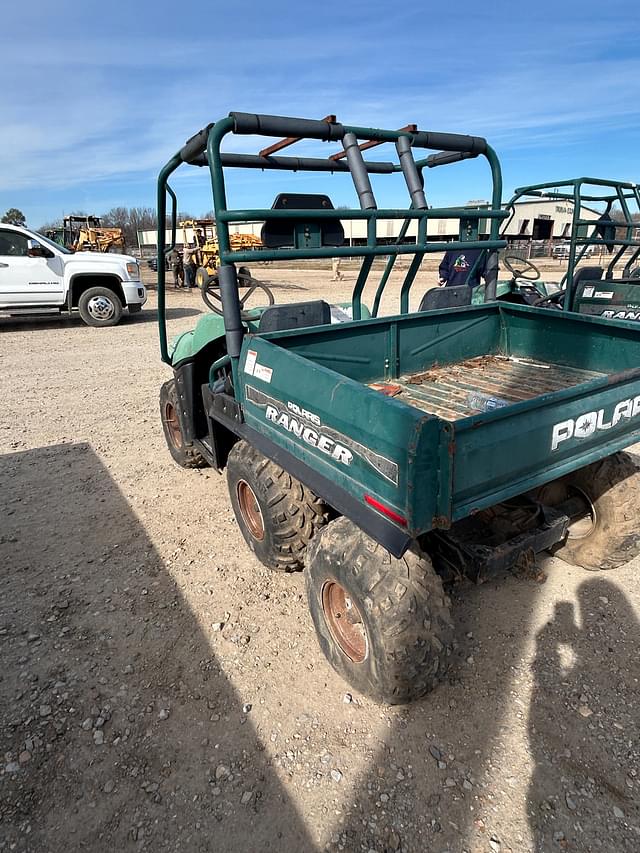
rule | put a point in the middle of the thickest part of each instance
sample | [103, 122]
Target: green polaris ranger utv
[602, 248]
[390, 455]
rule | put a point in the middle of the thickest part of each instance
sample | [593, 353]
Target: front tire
[204, 277]
[383, 624]
[276, 514]
[100, 306]
[608, 536]
[184, 454]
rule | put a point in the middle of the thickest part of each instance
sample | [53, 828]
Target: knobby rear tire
[278, 515]
[184, 454]
[612, 486]
[395, 639]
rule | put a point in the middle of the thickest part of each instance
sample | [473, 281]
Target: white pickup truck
[37, 276]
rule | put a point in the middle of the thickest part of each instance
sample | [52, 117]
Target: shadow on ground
[584, 725]
[147, 315]
[495, 762]
[119, 729]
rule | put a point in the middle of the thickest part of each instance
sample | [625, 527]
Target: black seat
[302, 234]
[584, 274]
[606, 230]
[295, 315]
[446, 297]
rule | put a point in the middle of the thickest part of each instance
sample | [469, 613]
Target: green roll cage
[617, 234]
[204, 149]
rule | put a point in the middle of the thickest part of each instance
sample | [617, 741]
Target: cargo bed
[482, 384]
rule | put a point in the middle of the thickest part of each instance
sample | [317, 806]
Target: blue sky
[97, 97]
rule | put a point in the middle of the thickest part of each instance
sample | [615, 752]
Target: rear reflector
[385, 510]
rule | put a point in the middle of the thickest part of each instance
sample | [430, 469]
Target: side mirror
[37, 250]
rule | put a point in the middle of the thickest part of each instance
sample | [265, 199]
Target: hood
[102, 258]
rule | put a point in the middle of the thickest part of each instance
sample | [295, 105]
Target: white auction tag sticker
[250, 362]
[262, 372]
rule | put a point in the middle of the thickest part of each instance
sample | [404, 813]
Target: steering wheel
[213, 300]
[510, 260]
[553, 299]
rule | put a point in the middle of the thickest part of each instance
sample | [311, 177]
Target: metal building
[539, 221]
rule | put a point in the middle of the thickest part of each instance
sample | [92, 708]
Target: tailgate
[506, 452]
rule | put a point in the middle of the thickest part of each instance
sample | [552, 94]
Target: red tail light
[385, 510]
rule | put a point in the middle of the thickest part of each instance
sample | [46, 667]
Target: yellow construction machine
[87, 234]
[206, 254]
[203, 237]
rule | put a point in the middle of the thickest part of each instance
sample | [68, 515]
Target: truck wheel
[383, 624]
[277, 515]
[607, 536]
[184, 454]
[99, 306]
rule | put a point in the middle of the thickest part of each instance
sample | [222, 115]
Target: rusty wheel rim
[344, 621]
[580, 526]
[250, 510]
[173, 425]
[583, 525]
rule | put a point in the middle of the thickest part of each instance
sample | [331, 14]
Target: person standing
[200, 240]
[178, 269]
[189, 265]
[335, 267]
[457, 264]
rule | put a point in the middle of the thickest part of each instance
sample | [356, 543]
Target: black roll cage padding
[443, 158]
[356, 166]
[265, 125]
[412, 176]
[195, 145]
[458, 147]
[233, 326]
[292, 164]
[453, 142]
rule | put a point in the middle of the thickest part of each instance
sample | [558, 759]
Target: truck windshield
[52, 243]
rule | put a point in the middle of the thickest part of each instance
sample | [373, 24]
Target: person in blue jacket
[457, 264]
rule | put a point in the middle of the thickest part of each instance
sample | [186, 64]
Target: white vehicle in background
[561, 251]
[38, 276]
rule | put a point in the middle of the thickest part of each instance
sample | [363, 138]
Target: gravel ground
[161, 690]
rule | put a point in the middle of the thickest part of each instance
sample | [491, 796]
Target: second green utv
[389, 456]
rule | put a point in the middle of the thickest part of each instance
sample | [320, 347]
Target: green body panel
[503, 288]
[445, 470]
[210, 327]
[349, 413]
[611, 299]
[485, 472]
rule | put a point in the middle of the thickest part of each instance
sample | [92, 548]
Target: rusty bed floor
[455, 391]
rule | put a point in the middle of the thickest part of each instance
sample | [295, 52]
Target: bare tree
[53, 225]
[131, 220]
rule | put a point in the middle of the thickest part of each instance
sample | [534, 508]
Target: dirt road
[160, 690]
